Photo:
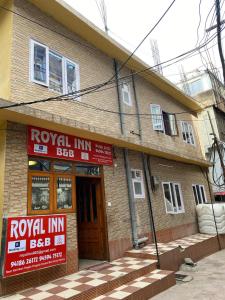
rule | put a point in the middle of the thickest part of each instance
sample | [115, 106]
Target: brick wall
[186, 175]
[95, 67]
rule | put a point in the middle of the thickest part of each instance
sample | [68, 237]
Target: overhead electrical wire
[90, 89]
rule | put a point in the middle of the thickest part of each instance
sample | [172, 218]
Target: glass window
[62, 166]
[157, 118]
[199, 194]
[137, 182]
[83, 169]
[40, 193]
[173, 125]
[39, 165]
[168, 198]
[64, 192]
[39, 63]
[187, 133]
[126, 94]
[196, 87]
[173, 197]
[50, 191]
[55, 72]
[71, 77]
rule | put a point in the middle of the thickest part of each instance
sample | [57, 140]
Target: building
[206, 88]
[124, 146]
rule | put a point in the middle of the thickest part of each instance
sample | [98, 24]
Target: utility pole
[217, 146]
[217, 3]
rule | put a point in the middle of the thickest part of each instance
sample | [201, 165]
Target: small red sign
[44, 142]
[33, 243]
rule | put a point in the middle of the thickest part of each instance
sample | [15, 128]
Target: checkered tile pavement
[134, 286]
[84, 281]
[165, 247]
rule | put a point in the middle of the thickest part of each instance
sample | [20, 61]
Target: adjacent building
[206, 88]
[119, 142]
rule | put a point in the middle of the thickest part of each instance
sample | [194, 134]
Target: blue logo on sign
[17, 244]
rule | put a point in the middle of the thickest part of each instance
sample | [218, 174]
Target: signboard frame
[53, 144]
[40, 257]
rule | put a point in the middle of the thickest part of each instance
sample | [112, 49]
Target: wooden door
[90, 219]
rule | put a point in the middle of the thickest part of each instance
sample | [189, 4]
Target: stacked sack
[206, 220]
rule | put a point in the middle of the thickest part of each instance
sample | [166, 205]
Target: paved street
[207, 284]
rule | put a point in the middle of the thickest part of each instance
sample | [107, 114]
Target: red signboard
[44, 142]
[33, 243]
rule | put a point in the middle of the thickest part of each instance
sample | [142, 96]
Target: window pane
[195, 194]
[203, 194]
[55, 72]
[39, 63]
[168, 199]
[191, 134]
[137, 188]
[198, 194]
[71, 77]
[157, 119]
[172, 122]
[64, 193]
[87, 170]
[125, 93]
[40, 193]
[173, 197]
[177, 191]
[62, 167]
[39, 165]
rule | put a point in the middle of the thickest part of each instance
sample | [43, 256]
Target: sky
[129, 21]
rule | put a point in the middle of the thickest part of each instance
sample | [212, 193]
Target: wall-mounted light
[32, 163]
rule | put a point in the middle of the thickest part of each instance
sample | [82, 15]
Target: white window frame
[64, 70]
[187, 134]
[77, 71]
[138, 180]
[197, 200]
[175, 209]
[32, 43]
[126, 89]
[155, 122]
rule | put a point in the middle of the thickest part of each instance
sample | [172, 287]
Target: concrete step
[142, 288]
[172, 254]
[88, 284]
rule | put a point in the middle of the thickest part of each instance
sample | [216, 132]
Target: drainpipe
[147, 173]
[137, 108]
[132, 204]
[122, 123]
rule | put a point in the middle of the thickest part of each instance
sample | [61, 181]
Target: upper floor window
[163, 121]
[157, 118]
[126, 94]
[173, 197]
[199, 193]
[53, 70]
[138, 184]
[187, 132]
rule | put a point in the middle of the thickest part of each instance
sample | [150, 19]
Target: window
[173, 198]
[137, 182]
[170, 124]
[53, 70]
[157, 118]
[187, 132]
[199, 193]
[126, 94]
[51, 187]
[163, 121]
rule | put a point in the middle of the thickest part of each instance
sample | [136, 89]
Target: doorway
[91, 225]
